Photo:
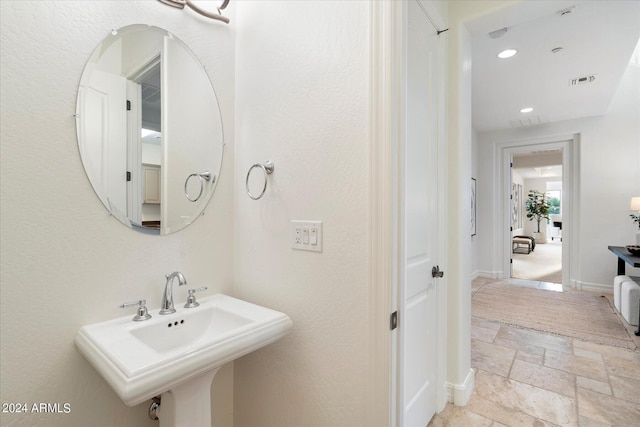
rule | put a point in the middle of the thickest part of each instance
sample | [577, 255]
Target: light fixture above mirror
[180, 4]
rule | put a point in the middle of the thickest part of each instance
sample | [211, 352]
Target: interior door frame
[134, 141]
[570, 145]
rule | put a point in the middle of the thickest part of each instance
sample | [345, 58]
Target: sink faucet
[167, 296]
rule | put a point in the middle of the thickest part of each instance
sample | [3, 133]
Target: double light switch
[306, 235]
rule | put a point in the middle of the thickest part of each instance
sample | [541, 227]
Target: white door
[103, 127]
[419, 202]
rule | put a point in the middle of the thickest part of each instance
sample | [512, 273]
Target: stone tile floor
[528, 378]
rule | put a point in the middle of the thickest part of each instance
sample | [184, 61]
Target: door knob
[435, 271]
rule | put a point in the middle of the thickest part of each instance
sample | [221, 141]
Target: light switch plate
[306, 235]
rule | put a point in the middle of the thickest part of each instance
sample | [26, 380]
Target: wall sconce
[180, 4]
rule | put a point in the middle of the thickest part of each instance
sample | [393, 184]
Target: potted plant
[537, 206]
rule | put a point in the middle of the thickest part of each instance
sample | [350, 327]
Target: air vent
[566, 11]
[530, 121]
[582, 80]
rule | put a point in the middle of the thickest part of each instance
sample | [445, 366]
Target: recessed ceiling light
[526, 110]
[508, 53]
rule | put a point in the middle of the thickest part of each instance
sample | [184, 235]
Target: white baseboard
[489, 274]
[475, 275]
[594, 287]
[459, 394]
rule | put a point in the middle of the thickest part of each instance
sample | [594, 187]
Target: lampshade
[635, 204]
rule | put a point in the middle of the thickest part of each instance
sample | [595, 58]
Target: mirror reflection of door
[104, 126]
[145, 145]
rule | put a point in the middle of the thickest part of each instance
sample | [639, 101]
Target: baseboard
[475, 275]
[459, 394]
[443, 397]
[593, 287]
[489, 274]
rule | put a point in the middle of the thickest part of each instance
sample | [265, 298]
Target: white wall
[460, 167]
[65, 261]
[608, 177]
[458, 207]
[302, 101]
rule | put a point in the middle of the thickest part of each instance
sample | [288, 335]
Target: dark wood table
[624, 256]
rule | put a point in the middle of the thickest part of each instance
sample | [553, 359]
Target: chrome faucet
[167, 296]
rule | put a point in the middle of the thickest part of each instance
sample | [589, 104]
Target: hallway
[529, 378]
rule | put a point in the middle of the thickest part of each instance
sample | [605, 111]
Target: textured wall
[65, 262]
[302, 101]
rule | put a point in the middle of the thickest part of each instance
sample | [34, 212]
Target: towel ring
[267, 168]
[204, 176]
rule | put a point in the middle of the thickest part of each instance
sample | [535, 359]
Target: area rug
[544, 264]
[572, 313]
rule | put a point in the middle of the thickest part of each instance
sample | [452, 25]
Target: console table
[624, 256]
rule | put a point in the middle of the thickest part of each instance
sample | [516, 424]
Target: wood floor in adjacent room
[530, 378]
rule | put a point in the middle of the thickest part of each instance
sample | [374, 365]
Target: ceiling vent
[566, 11]
[582, 80]
[498, 33]
[530, 121]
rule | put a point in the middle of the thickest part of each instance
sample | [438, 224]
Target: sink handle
[142, 313]
[191, 299]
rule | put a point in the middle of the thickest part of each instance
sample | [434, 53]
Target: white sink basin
[141, 360]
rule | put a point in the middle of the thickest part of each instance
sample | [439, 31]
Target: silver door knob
[435, 271]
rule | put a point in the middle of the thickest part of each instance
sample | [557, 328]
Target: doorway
[536, 220]
[561, 155]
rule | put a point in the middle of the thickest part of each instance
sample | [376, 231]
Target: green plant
[636, 219]
[554, 206]
[537, 205]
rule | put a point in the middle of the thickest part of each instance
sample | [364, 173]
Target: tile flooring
[528, 378]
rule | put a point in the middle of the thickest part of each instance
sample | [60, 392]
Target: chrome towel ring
[204, 176]
[267, 168]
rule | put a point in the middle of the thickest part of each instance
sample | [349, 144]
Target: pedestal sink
[178, 353]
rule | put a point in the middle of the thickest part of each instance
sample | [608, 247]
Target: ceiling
[598, 39]
[539, 164]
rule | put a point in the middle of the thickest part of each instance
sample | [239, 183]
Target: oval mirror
[149, 129]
